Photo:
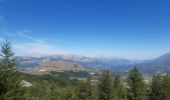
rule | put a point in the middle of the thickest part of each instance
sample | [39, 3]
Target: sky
[133, 29]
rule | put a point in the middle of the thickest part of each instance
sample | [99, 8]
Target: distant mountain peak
[166, 54]
[163, 59]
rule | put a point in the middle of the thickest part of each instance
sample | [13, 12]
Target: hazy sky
[135, 29]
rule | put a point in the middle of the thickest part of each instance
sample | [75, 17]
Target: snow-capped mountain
[26, 62]
[157, 65]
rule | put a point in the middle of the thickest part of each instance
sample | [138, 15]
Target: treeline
[108, 87]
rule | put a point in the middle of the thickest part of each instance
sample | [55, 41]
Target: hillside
[58, 66]
[160, 65]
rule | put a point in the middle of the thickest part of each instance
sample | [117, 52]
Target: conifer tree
[166, 87]
[119, 91]
[137, 88]
[84, 90]
[9, 79]
[156, 88]
[105, 86]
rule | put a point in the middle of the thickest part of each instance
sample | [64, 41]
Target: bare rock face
[59, 66]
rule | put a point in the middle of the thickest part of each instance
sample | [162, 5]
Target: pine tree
[156, 88]
[105, 86]
[84, 90]
[10, 81]
[119, 91]
[160, 88]
[137, 87]
[166, 87]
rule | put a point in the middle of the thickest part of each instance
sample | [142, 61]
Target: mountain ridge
[158, 65]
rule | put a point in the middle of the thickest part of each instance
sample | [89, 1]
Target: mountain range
[158, 65]
[26, 62]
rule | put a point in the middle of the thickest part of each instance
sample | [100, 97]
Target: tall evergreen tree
[119, 91]
[9, 79]
[105, 86]
[166, 87]
[156, 88]
[137, 88]
[84, 90]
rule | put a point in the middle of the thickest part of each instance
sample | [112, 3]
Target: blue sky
[134, 29]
